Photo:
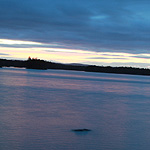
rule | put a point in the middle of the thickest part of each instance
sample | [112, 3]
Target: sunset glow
[67, 55]
[12, 42]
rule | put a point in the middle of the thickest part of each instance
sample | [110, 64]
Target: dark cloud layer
[110, 25]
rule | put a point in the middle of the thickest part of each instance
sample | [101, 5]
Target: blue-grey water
[39, 109]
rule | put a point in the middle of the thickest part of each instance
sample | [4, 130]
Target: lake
[39, 109]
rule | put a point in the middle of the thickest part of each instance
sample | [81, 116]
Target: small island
[34, 63]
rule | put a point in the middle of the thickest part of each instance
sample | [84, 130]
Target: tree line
[34, 63]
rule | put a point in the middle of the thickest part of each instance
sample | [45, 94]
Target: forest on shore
[34, 63]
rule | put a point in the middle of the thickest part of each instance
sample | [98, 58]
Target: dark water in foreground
[38, 110]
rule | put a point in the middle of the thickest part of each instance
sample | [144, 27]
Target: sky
[97, 32]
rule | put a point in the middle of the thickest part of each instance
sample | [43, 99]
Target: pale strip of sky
[68, 55]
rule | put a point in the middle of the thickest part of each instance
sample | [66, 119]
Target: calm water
[38, 110]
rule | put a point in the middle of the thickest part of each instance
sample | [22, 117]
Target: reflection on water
[38, 109]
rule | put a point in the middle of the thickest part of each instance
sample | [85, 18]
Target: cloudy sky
[99, 32]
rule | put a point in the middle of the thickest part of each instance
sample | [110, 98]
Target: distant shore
[44, 65]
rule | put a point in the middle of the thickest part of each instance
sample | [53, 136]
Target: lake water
[39, 109]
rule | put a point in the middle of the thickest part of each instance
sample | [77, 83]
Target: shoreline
[44, 65]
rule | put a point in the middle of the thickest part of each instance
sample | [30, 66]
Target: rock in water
[81, 130]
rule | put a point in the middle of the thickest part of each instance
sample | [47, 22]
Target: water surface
[38, 110]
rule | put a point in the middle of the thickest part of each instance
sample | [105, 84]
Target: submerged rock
[81, 130]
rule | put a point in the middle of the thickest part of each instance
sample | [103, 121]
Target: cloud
[3, 54]
[105, 58]
[142, 56]
[110, 25]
